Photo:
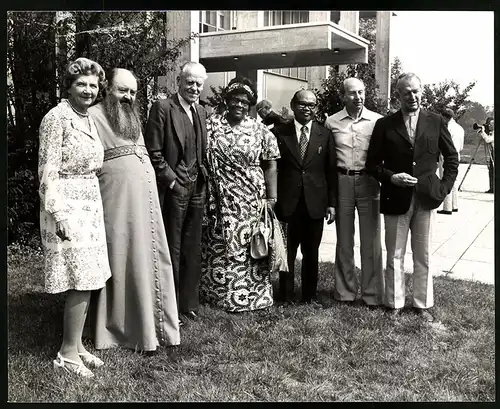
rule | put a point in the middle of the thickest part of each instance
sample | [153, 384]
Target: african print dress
[231, 279]
[68, 161]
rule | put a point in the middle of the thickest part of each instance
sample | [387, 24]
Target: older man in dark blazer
[403, 154]
[306, 190]
[176, 138]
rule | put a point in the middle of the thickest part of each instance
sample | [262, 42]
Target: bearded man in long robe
[137, 309]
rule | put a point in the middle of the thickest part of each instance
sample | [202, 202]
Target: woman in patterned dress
[71, 216]
[242, 156]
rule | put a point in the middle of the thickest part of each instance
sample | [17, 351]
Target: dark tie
[196, 122]
[303, 142]
[197, 132]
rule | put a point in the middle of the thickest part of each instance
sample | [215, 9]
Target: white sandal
[91, 360]
[75, 367]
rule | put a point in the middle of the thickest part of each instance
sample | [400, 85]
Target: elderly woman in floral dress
[242, 156]
[71, 215]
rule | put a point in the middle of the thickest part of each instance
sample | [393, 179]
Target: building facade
[281, 50]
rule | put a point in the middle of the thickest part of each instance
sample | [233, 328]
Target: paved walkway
[462, 244]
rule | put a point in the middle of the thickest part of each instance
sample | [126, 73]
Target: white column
[319, 15]
[194, 52]
[383, 54]
[350, 21]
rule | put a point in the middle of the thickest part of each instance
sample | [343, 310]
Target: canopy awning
[291, 45]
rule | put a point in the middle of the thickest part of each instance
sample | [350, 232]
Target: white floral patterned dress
[69, 158]
[230, 278]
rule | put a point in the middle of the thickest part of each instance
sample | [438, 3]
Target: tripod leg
[470, 164]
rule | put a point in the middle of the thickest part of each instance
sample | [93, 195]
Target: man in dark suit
[306, 190]
[176, 138]
[403, 154]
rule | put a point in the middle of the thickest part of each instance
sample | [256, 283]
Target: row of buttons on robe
[155, 258]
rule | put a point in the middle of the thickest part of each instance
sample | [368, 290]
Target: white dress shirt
[414, 119]
[298, 130]
[352, 136]
[186, 106]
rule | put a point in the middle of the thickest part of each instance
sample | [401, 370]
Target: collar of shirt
[415, 113]
[365, 114]
[186, 106]
[298, 129]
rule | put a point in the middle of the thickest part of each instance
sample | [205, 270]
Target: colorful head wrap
[239, 85]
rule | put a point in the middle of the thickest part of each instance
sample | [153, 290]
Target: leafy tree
[218, 98]
[474, 113]
[329, 101]
[39, 46]
[396, 71]
[446, 94]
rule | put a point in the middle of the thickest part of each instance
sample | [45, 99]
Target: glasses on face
[236, 101]
[303, 105]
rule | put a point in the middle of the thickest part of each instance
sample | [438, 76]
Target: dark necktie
[303, 142]
[196, 123]
[197, 132]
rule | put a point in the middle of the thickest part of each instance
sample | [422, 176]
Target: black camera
[486, 127]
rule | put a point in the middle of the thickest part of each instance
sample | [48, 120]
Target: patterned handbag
[278, 260]
[259, 243]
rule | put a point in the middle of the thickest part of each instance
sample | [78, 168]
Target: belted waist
[138, 150]
[89, 175]
[350, 172]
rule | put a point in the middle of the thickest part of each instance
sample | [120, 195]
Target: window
[302, 73]
[279, 17]
[217, 20]
[293, 72]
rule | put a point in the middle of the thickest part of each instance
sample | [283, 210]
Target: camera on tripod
[486, 127]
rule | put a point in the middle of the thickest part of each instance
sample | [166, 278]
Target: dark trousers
[303, 230]
[491, 166]
[182, 215]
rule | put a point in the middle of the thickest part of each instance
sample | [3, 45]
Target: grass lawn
[327, 352]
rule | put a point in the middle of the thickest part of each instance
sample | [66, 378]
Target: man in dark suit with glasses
[306, 190]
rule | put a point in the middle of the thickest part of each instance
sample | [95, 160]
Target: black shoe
[424, 314]
[455, 210]
[345, 302]
[369, 306]
[489, 191]
[191, 315]
[444, 211]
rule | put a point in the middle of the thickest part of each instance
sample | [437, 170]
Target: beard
[123, 118]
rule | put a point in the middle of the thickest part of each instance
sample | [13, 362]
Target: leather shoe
[191, 315]
[444, 211]
[424, 314]
[369, 306]
[455, 210]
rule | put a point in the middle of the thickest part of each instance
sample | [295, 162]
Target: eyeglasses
[235, 101]
[310, 105]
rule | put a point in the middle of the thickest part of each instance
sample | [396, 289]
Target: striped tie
[303, 142]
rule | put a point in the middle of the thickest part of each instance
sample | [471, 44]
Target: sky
[453, 45]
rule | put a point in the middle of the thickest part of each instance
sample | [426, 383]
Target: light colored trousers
[451, 200]
[361, 192]
[397, 228]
